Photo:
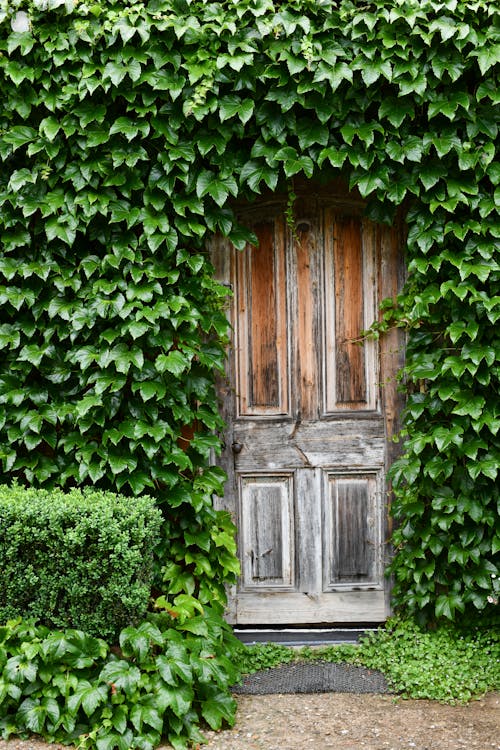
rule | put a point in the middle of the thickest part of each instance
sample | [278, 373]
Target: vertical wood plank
[306, 348]
[306, 312]
[371, 301]
[391, 280]
[392, 354]
[349, 312]
[262, 342]
[309, 530]
[264, 385]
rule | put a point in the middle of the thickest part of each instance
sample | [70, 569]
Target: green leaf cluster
[452, 663]
[69, 686]
[126, 131]
[446, 481]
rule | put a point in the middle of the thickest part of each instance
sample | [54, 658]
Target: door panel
[306, 444]
[350, 273]
[267, 532]
[351, 530]
[260, 286]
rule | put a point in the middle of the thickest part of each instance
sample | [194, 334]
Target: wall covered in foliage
[126, 129]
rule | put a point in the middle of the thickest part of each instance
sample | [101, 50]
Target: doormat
[313, 677]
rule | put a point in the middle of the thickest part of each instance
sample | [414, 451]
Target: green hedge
[81, 559]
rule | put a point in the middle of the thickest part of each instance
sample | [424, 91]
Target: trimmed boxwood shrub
[82, 559]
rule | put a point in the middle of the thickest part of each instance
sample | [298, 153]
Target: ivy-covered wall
[126, 128]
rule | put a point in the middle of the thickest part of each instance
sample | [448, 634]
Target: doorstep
[301, 637]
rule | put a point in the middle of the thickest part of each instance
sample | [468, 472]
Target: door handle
[237, 447]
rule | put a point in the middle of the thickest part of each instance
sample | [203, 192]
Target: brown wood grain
[261, 299]
[349, 315]
[263, 364]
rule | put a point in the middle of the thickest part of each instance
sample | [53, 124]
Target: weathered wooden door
[309, 416]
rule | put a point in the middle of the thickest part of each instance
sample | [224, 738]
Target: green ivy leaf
[119, 463]
[310, 132]
[115, 71]
[88, 696]
[138, 642]
[218, 709]
[178, 699]
[253, 173]
[19, 135]
[229, 106]
[31, 715]
[56, 229]
[145, 712]
[165, 670]
[487, 57]
[294, 163]
[334, 156]
[396, 110]
[49, 127]
[369, 183]
[19, 669]
[122, 675]
[175, 362]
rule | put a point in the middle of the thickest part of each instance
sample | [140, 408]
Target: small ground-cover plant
[451, 663]
[260, 656]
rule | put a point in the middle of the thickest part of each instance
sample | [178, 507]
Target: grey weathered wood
[309, 530]
[353, 554]
[267, 531]
[352, 531]
[304, 407]
[284, 608]
[343, 443]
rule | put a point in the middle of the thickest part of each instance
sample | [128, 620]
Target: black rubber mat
[313, 677]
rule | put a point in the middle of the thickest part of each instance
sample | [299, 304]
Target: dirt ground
[346, 721]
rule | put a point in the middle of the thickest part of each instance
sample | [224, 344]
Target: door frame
[390, 279]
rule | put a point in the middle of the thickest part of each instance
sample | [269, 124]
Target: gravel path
[334, 721]
[341, 721]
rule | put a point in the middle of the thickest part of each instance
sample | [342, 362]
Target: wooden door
[306, 447]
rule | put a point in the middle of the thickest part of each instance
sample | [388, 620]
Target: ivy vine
[125, 131]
